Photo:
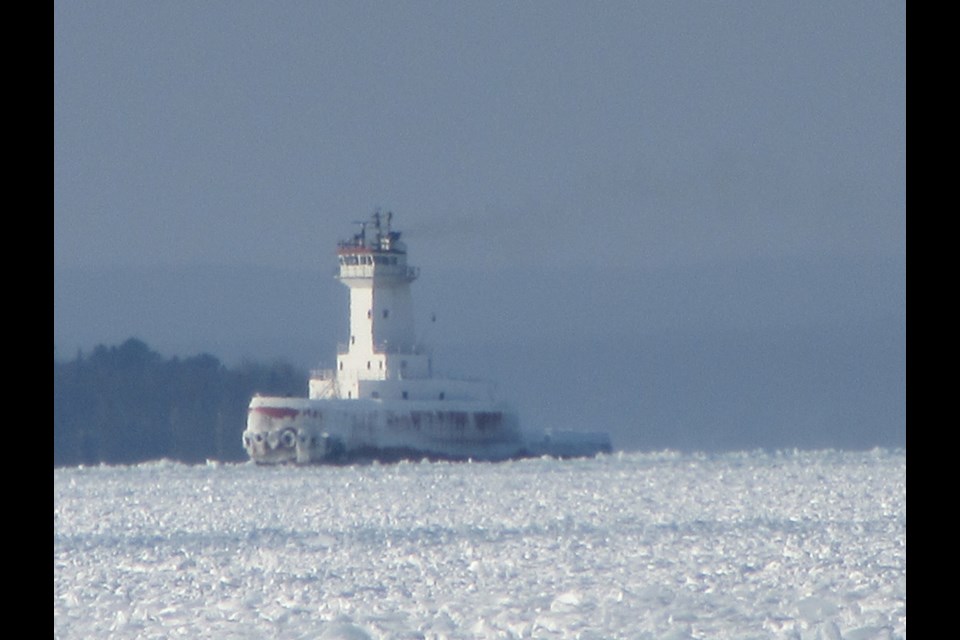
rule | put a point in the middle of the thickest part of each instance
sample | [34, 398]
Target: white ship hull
[305, 431]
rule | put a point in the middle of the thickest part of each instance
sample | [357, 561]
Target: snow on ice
[748, 545]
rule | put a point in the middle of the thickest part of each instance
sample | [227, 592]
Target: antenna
[361, 238]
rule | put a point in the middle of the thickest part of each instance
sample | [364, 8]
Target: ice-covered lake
[748, 545]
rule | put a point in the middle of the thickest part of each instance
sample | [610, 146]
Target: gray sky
[623, 169]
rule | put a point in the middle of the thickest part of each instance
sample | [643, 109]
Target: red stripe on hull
[276, 412]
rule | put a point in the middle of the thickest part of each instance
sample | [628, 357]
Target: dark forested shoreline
[126, 404]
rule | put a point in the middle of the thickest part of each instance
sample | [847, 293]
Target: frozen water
[750, 545]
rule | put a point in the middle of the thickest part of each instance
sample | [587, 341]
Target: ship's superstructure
[382, 359]
[382, 401]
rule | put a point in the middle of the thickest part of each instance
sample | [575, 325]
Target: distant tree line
[128, 404]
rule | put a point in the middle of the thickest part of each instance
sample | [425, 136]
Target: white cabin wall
[360, 340]
[393, 322]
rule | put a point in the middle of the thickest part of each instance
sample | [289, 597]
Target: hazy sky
[658, 163]
[661, 132]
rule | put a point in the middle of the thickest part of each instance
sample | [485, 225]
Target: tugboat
[381, 401]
